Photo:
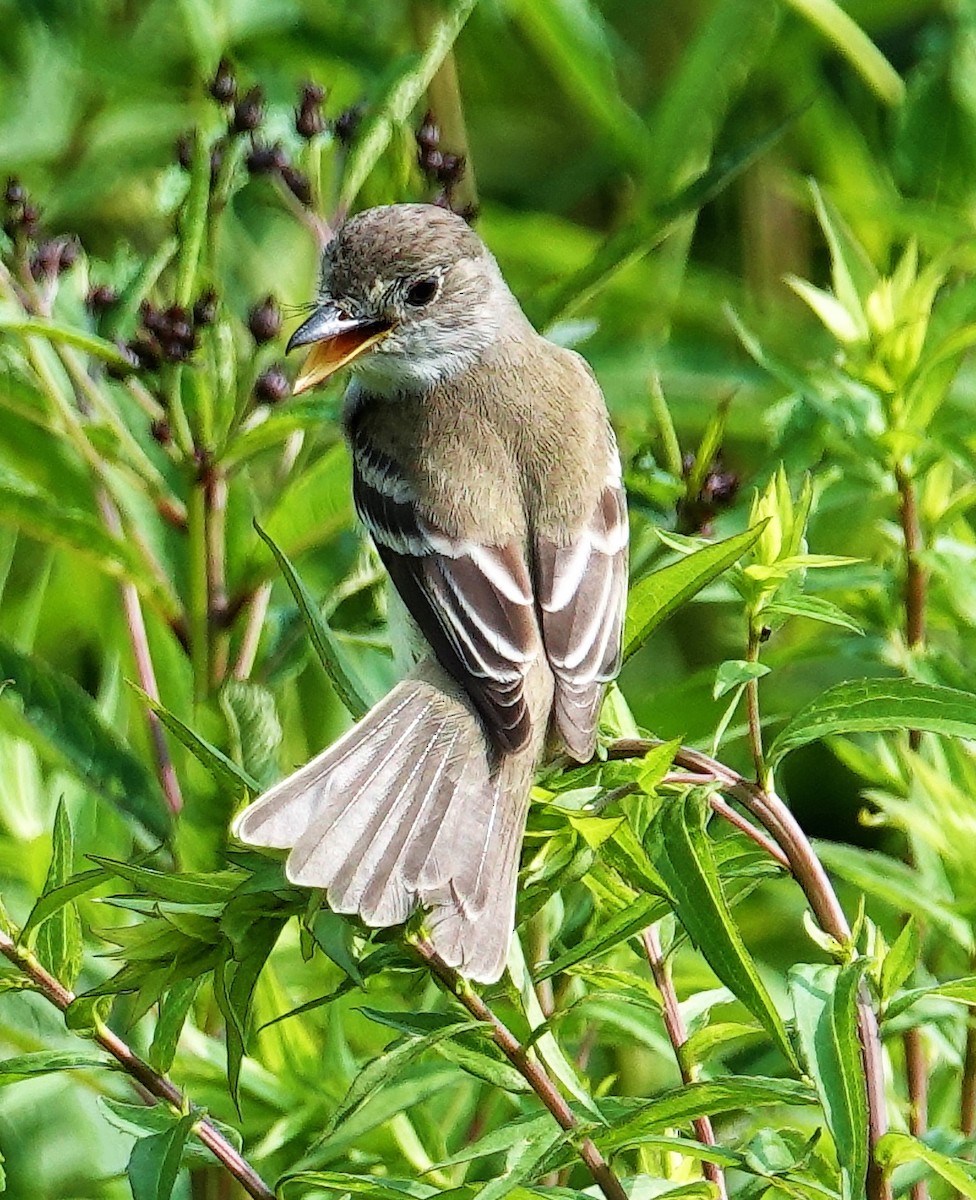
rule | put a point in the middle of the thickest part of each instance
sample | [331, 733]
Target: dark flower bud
[15, 192]
[450, 170]
[298, 184]
[765, 633]
[69, 254]
[248, 111]
[160, 431]
[266, 160]
[272, 386]
[264, 320]
[430, 160]
[30, 216]
[309, 121]
[216, 162]
[45, 262]
[152, 318]
[101, 297]
[347, 122]
[223, 86]
[428, 135]
[205, 308]
[145, 351]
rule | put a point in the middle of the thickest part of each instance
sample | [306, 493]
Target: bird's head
[409, 296]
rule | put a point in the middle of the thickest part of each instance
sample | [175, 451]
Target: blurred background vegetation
[641, 172]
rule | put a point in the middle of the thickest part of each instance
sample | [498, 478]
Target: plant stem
[199, 605]
[529, 1068]
[916, 1074]
[444, 98]
[152, 1086]
[139, 640]
[677, 1035]
[752, 709]
[770, 811]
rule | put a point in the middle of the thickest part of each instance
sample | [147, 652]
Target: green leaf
[494, 1071]
[617, 929]
[27, 508]
[656, 763]
[896, 884]
[402, 97]
[897, 1149]
[850, 40]
[734, 672]
[814, 607]
[682, 851]
[414, 1024]
[624, 852]
[46, 1062]
[371, 1186]
[682, 1105]
[155, 1161]
[173, 1011]
[901, 959]
[188, 888]
[353, 694]
[67, 719]
[51, 901]
[873, 705]
[225, 771]
[961, 990]
[825, 1004]
[67, 335]
[59, 939]
[655, 597]
[378, 1073]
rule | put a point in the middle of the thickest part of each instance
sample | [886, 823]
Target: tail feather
[410, 808]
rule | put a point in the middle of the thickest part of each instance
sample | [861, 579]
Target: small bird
[487, 474]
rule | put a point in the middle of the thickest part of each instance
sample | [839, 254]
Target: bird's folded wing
[473, 603]
[582, 591]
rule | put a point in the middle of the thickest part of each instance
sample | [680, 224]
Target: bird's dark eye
[420, 293]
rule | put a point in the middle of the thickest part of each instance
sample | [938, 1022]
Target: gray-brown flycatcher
[486, 472]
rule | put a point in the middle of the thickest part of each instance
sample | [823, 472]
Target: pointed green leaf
[155, 1161]
[59, 938]
[850, 40]
[51, 901]
[402, 97]
[68, 721]
[387, 1066]
[963, 991]
[896, 884]
[205, 888]
[825, 1004]
[67, 335]
[655, 597]
[816, 609]
[894, 1149]
[340, 1184]
[25, 507]
[45, 1062]
[610, 933]
[351, 691]
[682, 851]
[224, 770]
[873, 705]
[173, 1011]
[901, 959]
[682, 1105]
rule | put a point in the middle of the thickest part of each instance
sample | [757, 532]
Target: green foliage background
[643, 171]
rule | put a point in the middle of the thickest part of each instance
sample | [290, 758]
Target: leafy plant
[700, 1001]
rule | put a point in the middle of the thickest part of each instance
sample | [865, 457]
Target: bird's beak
[336, 339]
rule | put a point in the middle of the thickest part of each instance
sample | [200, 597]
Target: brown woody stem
[677, 1035]
[529, 1068]
[153, 1087]
[770, 811]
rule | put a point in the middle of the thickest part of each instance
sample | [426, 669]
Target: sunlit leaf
[825, 1004]
[872, 705]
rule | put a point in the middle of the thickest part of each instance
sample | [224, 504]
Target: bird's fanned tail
[407, 809]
